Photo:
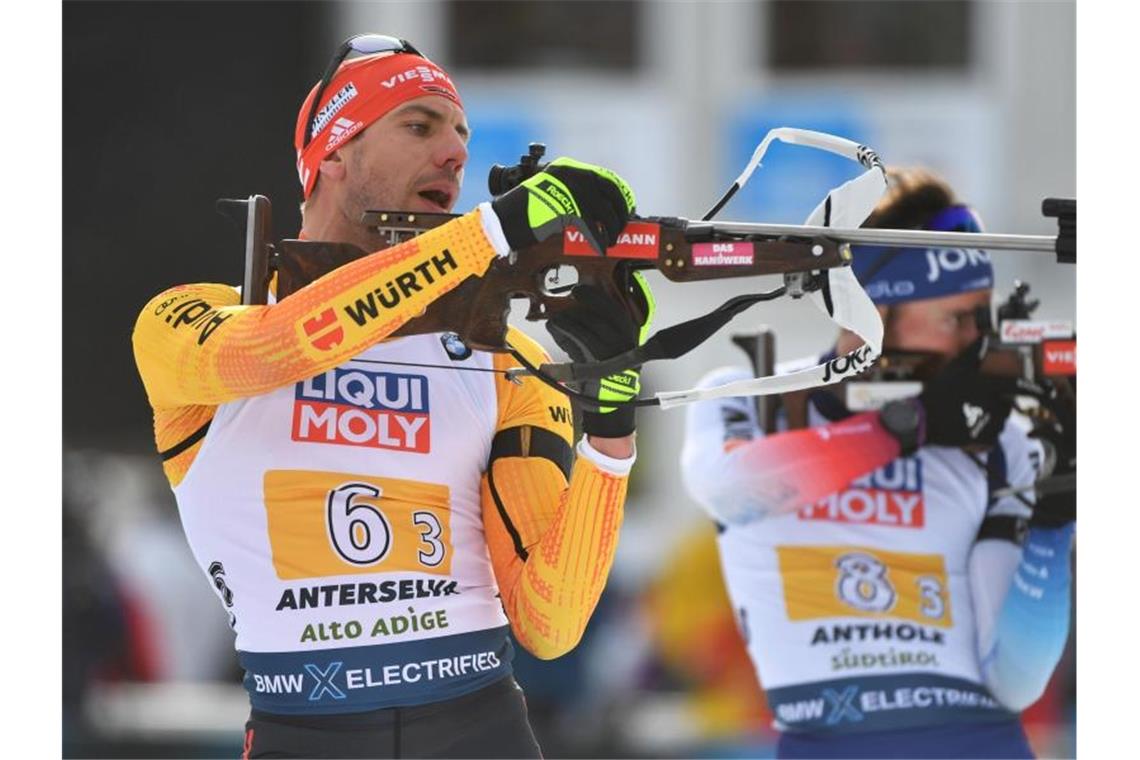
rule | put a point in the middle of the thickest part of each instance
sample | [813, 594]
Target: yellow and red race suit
[367, 523]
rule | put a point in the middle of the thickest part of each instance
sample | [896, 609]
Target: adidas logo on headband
[341, 131]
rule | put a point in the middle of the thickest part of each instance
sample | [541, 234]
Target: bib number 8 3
[863, 583]
[847, 580]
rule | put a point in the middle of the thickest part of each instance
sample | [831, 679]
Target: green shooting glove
[599, 327]
[566, 193]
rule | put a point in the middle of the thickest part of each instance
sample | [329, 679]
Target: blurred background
[169, 106]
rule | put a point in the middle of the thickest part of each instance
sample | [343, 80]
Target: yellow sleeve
[551, 528]
[195, 345]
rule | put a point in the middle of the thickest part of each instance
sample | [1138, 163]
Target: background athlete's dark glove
[567, 193]
[1059, 436]
[963, 407]
[596, 328]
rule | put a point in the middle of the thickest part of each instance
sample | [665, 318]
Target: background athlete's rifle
[760, 347]
[1040, 353]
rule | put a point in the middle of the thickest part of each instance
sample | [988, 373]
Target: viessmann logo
[422, 73]
[639, 240]
[890, 496]
[354, 407]
[1060, 357]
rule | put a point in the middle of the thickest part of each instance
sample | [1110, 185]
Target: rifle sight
[503, 178]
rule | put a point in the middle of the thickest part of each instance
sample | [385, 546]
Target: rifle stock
[255, 216]
[478, 308]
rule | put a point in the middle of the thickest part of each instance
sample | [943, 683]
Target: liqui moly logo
[353, 407]
[639, 240]
[1030, 331]
[723, 254]
[890, 496]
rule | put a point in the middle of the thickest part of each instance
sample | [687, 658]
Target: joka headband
[893, 275]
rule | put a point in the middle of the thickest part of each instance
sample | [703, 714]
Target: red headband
[363, 90]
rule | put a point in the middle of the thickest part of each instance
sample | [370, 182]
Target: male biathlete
[897, 597]
[373, 528]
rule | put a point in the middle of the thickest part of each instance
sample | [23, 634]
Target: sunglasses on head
[958, 218]
[365, 44]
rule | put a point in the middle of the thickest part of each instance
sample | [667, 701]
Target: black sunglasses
[366, 44]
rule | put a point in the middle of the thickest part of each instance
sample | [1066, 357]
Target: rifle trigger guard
[795, 283]
[798, 284]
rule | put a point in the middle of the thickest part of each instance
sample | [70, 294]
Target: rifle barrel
[895, 238]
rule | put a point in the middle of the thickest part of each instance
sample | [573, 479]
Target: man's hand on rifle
[566, 193]
[598, 327]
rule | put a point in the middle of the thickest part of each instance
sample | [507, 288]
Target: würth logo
[404, 285]
[560, 414]
[323, 330]
[353, 407]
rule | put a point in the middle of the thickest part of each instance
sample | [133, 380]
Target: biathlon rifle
[682, 250]
[1040, 354]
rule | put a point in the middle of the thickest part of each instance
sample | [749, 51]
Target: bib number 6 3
[361, 533]
[323, 524]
